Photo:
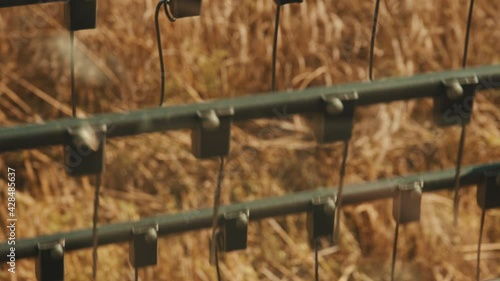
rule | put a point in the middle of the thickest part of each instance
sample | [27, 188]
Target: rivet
[57, 252]
[455, 90]
[210, 121]
[334, 106]
[242, 220]
[151, 236]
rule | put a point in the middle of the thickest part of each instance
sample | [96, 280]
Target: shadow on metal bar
[259, 209]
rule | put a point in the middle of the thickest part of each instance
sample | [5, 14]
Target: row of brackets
[84, 146]
[233, 227]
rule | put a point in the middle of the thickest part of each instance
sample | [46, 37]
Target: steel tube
[15, 3]
[259, 209]
[245, 108]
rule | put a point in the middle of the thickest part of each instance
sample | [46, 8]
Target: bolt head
[455, 90]
[242, 220]
[329, 207]
[335, 106]
[151, 236]
[57, 252]
[210, 121]
[86, 136]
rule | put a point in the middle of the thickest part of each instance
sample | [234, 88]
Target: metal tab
[80, 14]
[50, 261]
[488, 191]
[406, 202]
[284, 2]
[335, 122]
[143, 249]
[185, 8]
[320, 219]
[84, 150]
[234, 231]
[454, 106]
[211, 137]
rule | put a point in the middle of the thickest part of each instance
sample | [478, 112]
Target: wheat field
[224, 53]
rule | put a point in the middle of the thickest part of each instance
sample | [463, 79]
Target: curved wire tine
[467, 34]
[215, 216]
[458, 165]
[72, 58]
[216, 253]
[479, 242]
[158, 41]
[394, 250]
[160, 51]
[168, 13]
[94, 226]
[395, 242]
[275, 47]
[340, 193]
[372, 42]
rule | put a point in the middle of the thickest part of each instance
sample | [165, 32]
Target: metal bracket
[335, 122]
[488, 191]
[185, 8]
[234, 231]
[84, 150]
[320, 219]
[143, 248]
[454, 107]
[211, 137]
[284, 2]
[50, 261]
[80, 14]
[406, 202]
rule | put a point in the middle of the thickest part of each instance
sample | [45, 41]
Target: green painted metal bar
[245, 108]
[259, 209]
[15, 3]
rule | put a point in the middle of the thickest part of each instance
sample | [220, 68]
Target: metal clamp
[80, 14]
[454, 107]
[336, 121]
[84, 150]
[320, 219]
[488, 191]
[184, 8]
[233, 234]
[143, 248]
[406, 202]
[50, 261]
[284, 2]
[211, 137]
